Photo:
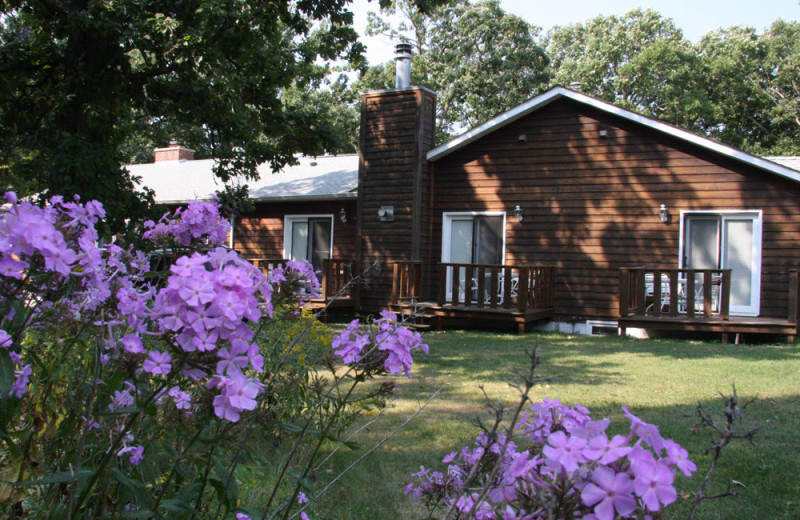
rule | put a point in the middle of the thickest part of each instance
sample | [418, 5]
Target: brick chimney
[394, 187]
[174, 152]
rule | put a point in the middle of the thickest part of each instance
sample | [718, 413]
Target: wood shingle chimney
[394, 189]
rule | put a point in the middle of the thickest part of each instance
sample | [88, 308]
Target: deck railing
[694, 293]
[336, 273]
[406, 281]
[483, 286]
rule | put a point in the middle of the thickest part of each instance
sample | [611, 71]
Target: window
[308, 237]
[726, 240]
[472, 238]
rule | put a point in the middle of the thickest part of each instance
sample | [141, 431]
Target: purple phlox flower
[136, 454]
[301, 498]
[255, 357]
[181, 399]
[21, 381]
[242, 516]
[349, 343]
[157, 363]
[121, 399]
[233, 360]
[564, 451]
[132, 344]
[466, 502]
[592, 429]
[449, 458]
[680, 457]
[388, 315]
[304, 516]
[609, 492]
[648, 433]
[5, 339]
[195, 374]
[653, 483]
[607, 451]
[639, 456]
[91, 424]
[238, 393]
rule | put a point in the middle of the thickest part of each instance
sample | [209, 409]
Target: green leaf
[176, 505]
[142, 513]
[6, 373]
[57, 478]
[134, 486]
[125, 410]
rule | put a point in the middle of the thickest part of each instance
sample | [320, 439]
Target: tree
[780, 80]
[479, 59]
[733, 58]
[640, 61]
[81, 83]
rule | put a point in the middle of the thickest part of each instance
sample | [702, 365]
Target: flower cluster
[571, 469]
[387, 344]
[205, 307]
[299, 279]
[199, 222]
[41, 247]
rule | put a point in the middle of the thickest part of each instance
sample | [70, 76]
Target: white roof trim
[559, 92]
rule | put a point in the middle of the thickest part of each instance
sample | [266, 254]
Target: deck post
[725, 295]
[395, 283]
[326, 267]
[522, 291]
[442, 284]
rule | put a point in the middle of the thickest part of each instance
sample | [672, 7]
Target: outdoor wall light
[342, 215]
[663, 213]
[386, 213]
[604, 133]
[518, 212]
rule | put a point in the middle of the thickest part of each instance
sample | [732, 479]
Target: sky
[695, 17]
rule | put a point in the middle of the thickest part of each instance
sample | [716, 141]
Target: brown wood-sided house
[566, 212]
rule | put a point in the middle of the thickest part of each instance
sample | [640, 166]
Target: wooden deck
[692, 300]
[520, 294]
[733, 325]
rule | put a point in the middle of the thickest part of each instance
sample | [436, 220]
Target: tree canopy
[85, 86]
[479, 59]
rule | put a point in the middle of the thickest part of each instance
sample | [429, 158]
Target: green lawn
[660, 380]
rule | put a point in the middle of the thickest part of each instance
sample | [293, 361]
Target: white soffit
[556, 93]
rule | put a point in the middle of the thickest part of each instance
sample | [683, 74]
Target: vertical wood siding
[591, 204]
[259, 234]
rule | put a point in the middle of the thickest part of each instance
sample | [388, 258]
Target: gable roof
[559, 92]
[313, 178]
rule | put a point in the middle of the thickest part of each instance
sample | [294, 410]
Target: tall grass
[659, 380]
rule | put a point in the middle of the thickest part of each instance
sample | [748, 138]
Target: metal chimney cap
[402, 65]
[575, 85]
[402, 51]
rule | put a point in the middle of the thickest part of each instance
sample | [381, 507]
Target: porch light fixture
[343, 215]
[663, 213]
[518, 212]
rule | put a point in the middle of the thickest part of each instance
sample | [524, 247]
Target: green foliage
[640, 61]
[85, 87]
[479, 59]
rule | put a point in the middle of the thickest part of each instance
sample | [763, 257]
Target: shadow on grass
[766, 471]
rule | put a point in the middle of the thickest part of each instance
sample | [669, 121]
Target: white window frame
[288, 220]
[447, 229]
[757, 216]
